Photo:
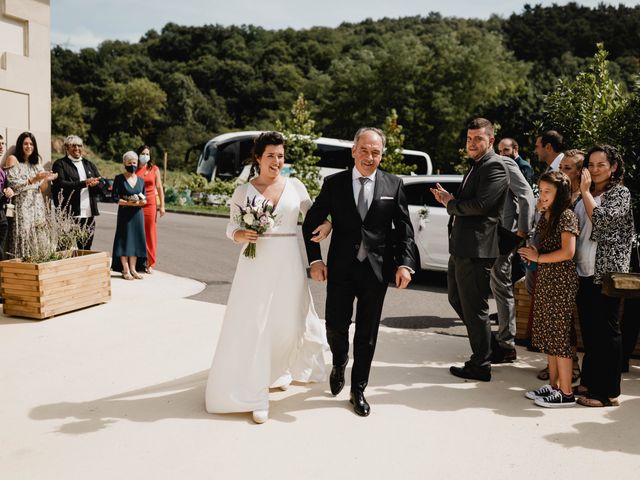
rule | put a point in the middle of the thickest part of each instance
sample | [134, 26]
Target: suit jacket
[477, 208]
[68, 182]
[519, 206]
[386, 228]
[525, 168]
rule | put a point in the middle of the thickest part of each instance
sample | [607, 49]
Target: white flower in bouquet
[257, 216]
[248, 218]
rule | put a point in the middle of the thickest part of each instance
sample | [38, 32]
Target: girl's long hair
[560, 203]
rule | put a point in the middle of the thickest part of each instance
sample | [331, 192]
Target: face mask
[143, 159]
[131, 168]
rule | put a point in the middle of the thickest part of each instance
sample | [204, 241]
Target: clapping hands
[442, 196]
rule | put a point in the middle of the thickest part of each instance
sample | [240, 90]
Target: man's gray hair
[370, 129]
[72, 140]
[130, 155]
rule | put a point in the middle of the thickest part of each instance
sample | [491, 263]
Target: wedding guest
[604, 245]
[549, 149]
[555, 290]
[28, 179]
[2, 148]
[77, 187]
[508, 147]
[473, 243]
[516, 219]
[154, 192]
[571, 166]
[129, 246]
[271, 333]
[5, 194]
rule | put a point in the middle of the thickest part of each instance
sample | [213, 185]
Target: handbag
[621, 285]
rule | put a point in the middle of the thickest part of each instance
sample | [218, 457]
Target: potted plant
[53, 276]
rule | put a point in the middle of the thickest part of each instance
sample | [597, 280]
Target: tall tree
[393, 160]
[299, 130]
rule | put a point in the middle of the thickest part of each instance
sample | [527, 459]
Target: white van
[227, 156]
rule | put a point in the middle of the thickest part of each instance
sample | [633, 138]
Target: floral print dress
[555, 294]
[30, 212]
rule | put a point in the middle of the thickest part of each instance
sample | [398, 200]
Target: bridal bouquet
[257, 216]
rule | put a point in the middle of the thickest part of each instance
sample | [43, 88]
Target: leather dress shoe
[360, 405]
[336, 379]
[470, 373]
[503, 355]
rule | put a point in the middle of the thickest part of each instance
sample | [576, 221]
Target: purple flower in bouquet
[258, 216]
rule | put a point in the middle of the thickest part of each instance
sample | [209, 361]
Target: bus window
[334, 157]
[417, 160]
[246, 150]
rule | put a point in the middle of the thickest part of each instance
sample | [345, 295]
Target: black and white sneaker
[542, 392]
[556, 400]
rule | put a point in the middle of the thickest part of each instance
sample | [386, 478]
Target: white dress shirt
[85, 205]
[368, 187]
[555, 165]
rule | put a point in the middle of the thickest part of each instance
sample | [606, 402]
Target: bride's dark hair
[259, 146]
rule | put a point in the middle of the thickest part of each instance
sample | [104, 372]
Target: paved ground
[116, 391]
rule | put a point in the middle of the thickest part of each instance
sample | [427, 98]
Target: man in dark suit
[77, 186]
[473, 243]
[371, 245]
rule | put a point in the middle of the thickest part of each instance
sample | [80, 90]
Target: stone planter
[43, 290]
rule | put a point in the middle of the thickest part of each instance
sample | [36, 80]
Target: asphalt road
[196, 247]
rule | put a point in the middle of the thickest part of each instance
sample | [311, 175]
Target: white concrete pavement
[117, 391]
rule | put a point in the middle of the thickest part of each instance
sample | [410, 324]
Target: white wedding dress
[271, 333]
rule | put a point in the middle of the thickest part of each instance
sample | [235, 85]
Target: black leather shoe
[503, 355]
[360, 405]
[336, 379]
[470, 373]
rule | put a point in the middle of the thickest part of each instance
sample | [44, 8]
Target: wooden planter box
[42, 290]
[523, 304]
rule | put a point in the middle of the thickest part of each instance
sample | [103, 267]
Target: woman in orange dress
[154, 192]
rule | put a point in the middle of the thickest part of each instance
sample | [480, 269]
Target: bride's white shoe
[260, 416]
[284, 388]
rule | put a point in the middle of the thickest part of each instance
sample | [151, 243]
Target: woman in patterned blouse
[604, 245]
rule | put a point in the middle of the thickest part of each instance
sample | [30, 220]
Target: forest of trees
[183, 85]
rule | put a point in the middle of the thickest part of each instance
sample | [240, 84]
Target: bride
[271, 334]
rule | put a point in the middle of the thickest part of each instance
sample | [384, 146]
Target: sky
[78, 24]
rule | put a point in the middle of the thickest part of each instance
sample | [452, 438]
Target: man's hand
[92, 182]
[318, 271]
[321, 232]
[441, 194]
[403, 277]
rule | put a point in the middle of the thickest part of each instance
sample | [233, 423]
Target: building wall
[25, 72]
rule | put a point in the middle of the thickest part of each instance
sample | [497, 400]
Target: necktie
[362, 210]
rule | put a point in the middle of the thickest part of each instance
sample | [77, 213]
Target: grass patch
[198, 209]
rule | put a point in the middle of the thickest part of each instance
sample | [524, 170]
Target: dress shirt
[85, 205]
[555, 165]
[368, 187]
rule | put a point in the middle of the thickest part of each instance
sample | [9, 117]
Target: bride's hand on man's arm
[242, 236]
[321, 232]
